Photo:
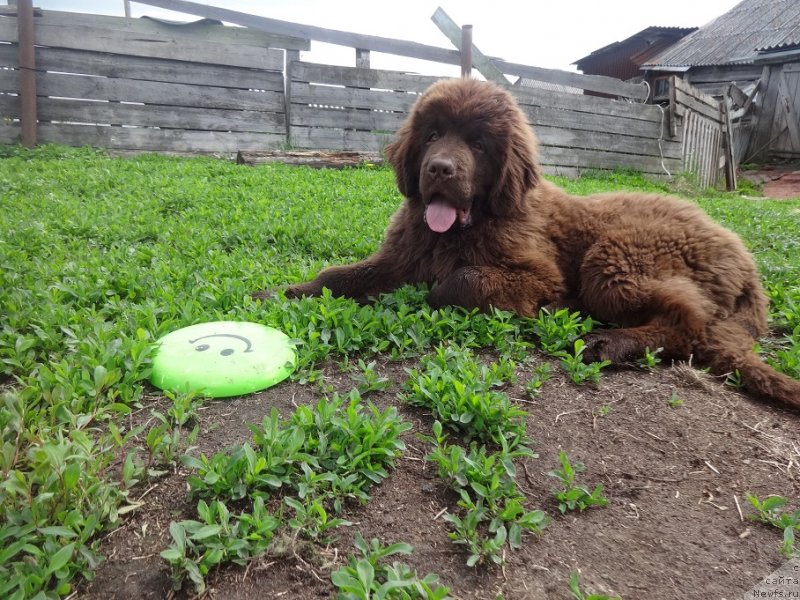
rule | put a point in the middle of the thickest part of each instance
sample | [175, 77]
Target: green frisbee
[222, 358]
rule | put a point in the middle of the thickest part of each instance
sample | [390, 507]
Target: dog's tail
[727, 348]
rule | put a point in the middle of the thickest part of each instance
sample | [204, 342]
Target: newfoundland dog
[482, 228]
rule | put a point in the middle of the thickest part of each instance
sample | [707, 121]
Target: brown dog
[482, 228]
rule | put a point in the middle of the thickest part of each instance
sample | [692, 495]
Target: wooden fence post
[290, 57]
[466, 51]
[362, 58]
[27, 73]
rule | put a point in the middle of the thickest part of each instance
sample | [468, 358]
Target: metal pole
[466, 51]
[127, 5]
[27, 74]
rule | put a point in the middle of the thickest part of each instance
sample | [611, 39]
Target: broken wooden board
[313, 158]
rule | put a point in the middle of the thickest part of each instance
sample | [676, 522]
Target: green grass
[101, 256]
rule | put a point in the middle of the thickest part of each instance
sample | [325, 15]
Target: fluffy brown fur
[482, 228]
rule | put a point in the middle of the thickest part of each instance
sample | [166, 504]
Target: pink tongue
[440, 216]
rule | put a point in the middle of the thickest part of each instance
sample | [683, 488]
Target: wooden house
[750, 58]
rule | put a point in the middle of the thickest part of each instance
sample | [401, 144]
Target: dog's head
[466, 152]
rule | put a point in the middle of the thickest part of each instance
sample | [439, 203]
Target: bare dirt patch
[673, 477]
[776, 181]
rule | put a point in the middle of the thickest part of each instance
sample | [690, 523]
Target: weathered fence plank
[153, 39]
[152, 92]
[149, 69]
[156, 140]
[583, 160]
[331, 36]
[171, 117]
[587, 104]
[322, 95]
[396, 81]
[583, 121]
[347, 118]
[557, 135]
[591, 83]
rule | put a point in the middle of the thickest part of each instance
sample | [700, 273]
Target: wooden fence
[141, 84]
[703, 122]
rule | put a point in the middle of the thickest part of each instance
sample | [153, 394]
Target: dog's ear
[519, 169]
[403, 155]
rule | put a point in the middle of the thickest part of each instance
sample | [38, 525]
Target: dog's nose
[441, 168]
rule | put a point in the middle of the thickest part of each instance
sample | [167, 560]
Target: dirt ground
[776, 181]
[676, 478]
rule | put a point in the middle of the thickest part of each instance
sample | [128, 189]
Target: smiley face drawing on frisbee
[220, 359]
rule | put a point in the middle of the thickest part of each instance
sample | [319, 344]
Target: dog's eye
[433, 136]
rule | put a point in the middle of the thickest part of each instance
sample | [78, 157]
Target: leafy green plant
[51, 513]
[674, 401]
[184, 407]
[558, 330]
[311, 520]
[492, 506]
[650, 359]
[163, 443]
[578, 593]
[349, 447]
[368, 380]
[579, 371]
[541, 374]
[603, 410]
[735, 380]
[461, 393]
[217, 538]
[771, 511]
[572, 496]
[366, 577]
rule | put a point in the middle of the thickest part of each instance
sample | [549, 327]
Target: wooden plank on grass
[308, 158]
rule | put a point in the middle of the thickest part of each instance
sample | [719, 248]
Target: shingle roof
[750, 27]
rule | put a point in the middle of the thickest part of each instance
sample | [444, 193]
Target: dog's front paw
[615, 345]
[596, 346]
[298, 290]
[263, 295]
